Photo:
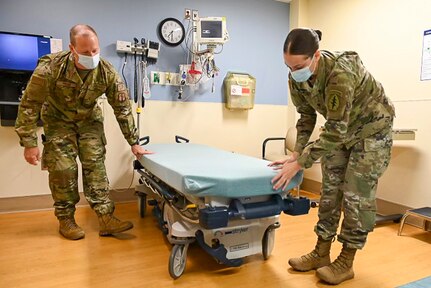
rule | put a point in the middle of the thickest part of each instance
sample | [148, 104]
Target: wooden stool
[422, 213]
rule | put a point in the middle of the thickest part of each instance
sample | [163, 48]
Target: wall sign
[426, 56]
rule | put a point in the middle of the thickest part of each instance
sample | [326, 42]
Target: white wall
[205, 123]
[388, 36]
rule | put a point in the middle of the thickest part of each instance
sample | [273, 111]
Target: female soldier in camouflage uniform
[354, 147]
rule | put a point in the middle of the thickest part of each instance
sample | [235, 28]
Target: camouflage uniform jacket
[348, 97]
[57, 93]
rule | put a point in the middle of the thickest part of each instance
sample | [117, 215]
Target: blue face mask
[302, 74]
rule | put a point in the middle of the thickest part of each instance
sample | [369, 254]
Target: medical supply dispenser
[239, 90]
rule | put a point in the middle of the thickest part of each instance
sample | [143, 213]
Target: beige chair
[289, 146]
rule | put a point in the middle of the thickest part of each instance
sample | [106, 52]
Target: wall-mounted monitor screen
[20, 52]
[211, 30]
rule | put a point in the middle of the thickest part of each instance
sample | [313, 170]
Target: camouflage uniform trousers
[349, 184]
[62, 146]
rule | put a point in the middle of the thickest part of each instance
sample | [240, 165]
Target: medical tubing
[146, 92]
[135, 81]
[135, 56]
[141, 100]
[144, 70]
[122, 70]
[221, 50]
[186, 40]
[138, 108]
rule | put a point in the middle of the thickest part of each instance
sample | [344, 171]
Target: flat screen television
[20, 52]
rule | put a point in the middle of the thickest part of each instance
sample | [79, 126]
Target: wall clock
[171, 31]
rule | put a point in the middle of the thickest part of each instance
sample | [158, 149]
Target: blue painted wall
[257, 30]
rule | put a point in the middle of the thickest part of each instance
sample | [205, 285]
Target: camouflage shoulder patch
[122, 96]
[121, 91]
[335, 104]
[120, 86]
[37, 80]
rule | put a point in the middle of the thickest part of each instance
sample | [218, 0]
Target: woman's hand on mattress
[287, 172]
[138, 151]
[32, 155]
[278, 164]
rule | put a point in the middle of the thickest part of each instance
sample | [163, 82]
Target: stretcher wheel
[268, 242]
[142, 204]
[177, 260]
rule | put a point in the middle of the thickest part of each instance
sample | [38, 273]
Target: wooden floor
[33, 254]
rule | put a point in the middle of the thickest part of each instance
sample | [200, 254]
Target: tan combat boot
[110, 225]
[69, 229]
[317, 258]
[340, 270]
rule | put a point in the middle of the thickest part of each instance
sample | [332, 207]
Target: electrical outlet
[195, 15]
[187, 14]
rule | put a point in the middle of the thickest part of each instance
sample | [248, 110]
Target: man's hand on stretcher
[138, 151]
[32, 155]
[288, 168]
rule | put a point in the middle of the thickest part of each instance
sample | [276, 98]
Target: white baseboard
[45, 202]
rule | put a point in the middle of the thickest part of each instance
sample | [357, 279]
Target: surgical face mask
[302, 74]
[89, 62]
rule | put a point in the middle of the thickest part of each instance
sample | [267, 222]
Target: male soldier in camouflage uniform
[354, 147]
[63, 92]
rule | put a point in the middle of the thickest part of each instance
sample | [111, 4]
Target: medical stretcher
[222, 200]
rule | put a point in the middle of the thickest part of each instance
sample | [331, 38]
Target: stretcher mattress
[206, 171]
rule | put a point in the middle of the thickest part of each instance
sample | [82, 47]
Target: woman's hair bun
[319, 34]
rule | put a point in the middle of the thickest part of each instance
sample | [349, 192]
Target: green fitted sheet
[206, 171]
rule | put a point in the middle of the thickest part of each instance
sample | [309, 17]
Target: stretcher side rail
[165, 191]
[152, 182]
[161, 187]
